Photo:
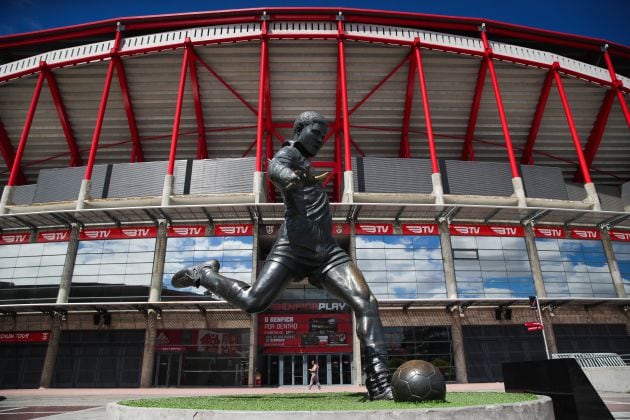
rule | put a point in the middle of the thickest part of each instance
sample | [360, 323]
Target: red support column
[271, 190]
[405, 148]
[101, 112]
[344, 97]
[527, 156]
[427, 110]
[137, 155]
[497, 95]
[75, 155]
[616, 85]
[8, 154]
[261, 97]
[468, 152]
[178, 112]
[574, 135]
[338, 182]
[15, 169]
[202, 145]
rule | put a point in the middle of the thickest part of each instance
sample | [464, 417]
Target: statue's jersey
[305, 243]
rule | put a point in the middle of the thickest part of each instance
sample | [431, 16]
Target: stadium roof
[539, 74]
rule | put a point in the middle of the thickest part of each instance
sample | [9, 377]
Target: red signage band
[585, 233]
[374, 229]
[419, 229]
[53, 236]
[128, 232]
[233, 230]
[186, 231]
[485, 230]
[557, 232]
[620, 235]
[341, 229]
[25, 337]
[227, 343]
[15, 238]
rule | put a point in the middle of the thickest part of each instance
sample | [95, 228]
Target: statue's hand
[295, 180]
[321, 177]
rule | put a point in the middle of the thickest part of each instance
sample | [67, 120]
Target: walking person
[314, 369]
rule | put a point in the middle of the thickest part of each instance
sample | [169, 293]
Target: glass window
[572, 267]
[234, 253]
[31, 273]
[622, 255]
[492, 267]
[402, 267]
[113, 270]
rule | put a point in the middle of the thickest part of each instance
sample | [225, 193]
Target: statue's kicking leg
[272, 280]
[347, 283]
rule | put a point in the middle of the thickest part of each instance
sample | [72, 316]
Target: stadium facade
[472, 164]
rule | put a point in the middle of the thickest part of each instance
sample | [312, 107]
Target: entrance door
[168, 369]
[292, 369]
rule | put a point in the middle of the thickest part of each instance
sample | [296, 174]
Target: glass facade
[31, 273]
[402, 267]
[622, 255]
[432, 344]
[118, 269]
[492, 267]
[575, 268]
[235, 254]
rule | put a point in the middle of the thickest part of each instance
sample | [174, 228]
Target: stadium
[478, 173]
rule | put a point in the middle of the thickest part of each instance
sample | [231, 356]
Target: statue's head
[309, 131]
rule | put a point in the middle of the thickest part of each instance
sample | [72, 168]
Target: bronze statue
[305, 247]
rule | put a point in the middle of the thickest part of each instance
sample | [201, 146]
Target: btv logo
[15, 239]
[231, 230]
[98, 234]
[137, 233]
[421, 229]
[187, 230]
[504, 231]
[468, 230]
[375, 229]
[55, 236]
[622, 236]
[550, 232]
[585, 234]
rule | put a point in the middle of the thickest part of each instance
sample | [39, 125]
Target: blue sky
[606, 19]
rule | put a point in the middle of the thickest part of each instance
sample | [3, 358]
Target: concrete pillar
[84, 193]
[534, 261]
[549, 333]
[50, 360]
[155, 293]
[68, 266]
[519, 191]
[438, 189]
[167, 191]
[253, 324]
[7, 196]
[348, 188]
[591, 196]
[447, 259]
[356, 343]
[259, 187]
[457, 343]
[148, 359]
[612, 263]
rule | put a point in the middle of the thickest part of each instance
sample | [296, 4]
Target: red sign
[15, 238]
[187, 230]
[485, 230]
[341, 229]
[420, 229]
[308, 307]
[620, 235]
[549, 232]
[305, 333]
[128, 232]
[233, 230]
[206, 341]
[585, 233]
[374, 228]
[24, 337]
[53, 236]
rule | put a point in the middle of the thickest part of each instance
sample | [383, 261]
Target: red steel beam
[597, 132]
[137, 154]
[586, 176]
[15, 169]
[497, 96]
[427, 109]
[271, 190]
[261, 97]
[202, 144]
[8, 154]
[338, 155]
[405, 148]
[178, 111]
[468, 152]
[528, 150]
[75, 155]
[344, 96]
[101, 110]
[617, 85]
